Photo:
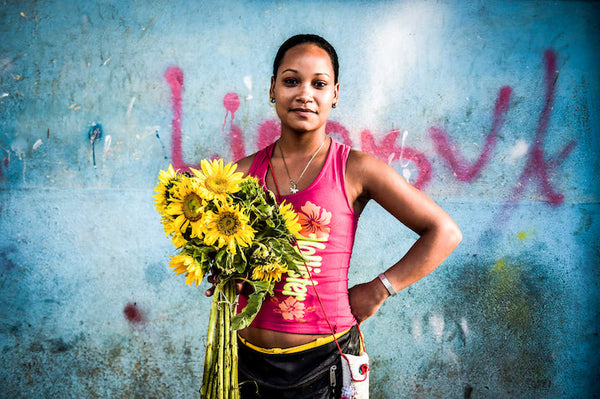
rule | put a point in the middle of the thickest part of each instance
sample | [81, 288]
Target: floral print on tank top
[315, 224]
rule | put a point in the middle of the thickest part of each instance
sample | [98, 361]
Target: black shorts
[314, 373]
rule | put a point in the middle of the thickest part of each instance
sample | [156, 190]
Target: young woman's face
[304, 89]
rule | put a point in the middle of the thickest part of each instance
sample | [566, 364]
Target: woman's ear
[272, 89]
[336, 93]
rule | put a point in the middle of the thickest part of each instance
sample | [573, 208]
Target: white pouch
[355, 376]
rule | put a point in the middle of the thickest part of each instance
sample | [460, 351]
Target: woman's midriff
[269, 339]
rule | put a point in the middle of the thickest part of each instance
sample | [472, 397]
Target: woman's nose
[304, 94]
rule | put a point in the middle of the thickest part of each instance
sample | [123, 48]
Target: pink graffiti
[458, 164]
[231, 102]
[268, 132]
[174, 76]
[388, 151]
[238, 149]
[340, 132]
[537, 167]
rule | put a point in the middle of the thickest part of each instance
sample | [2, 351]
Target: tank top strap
[260, 164]
[340, 154]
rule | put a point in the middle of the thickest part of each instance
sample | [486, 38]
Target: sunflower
[291, 219]
[184, 263]
[166, 180]
[187, 207]
[228, 227]
[168, 225]
[218, 181]
[178, 240]
[270, 272]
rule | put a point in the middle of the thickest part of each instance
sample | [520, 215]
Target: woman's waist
[272, 341]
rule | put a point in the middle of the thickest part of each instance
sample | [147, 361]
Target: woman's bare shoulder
[360, 162]
[243, 165]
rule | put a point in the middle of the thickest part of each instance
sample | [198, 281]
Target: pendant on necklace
[293, 187]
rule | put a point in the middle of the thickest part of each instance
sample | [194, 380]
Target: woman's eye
[290, 81]
[320, 84]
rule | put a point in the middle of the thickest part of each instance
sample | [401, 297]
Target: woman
[288, 351]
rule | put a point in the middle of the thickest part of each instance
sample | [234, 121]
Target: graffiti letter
[339, 131]
[537, 166]
[459, 165]
[174, 76]
[231, 102]
[387, 151]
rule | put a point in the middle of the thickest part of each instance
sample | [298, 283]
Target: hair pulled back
[311, 39]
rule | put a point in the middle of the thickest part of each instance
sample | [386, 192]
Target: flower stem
[209, 354]
[234, 348]
[220, 362]
[227, 304]
[220, 376]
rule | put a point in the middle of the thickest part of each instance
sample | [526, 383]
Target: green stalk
[221, 352]
[209, 353]
[227, 341]
[234, 362]
[233, 344]
[209, 385]
[234, 351]
[215, 386]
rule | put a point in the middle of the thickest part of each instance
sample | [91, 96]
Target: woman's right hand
[242, 287]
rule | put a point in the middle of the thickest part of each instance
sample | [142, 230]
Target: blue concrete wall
[490, 107]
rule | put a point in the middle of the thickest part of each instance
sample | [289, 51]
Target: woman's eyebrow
[295, 71]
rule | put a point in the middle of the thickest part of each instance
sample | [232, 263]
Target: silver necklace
[294, 185]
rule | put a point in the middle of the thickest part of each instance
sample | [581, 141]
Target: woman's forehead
[306, 55]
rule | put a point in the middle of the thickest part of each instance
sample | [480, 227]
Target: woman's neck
[300, 145]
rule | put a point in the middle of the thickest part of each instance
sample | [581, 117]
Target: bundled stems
[220, 362]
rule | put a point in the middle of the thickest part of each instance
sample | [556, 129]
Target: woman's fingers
[242, 287]
[366, 299]
[212, 278]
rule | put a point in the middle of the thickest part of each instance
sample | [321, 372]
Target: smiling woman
[305, 88]
[304, 334]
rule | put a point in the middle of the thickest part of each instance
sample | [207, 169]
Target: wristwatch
[386, 283]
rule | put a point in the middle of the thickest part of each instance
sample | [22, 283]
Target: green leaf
[240, 267]
[255, 301]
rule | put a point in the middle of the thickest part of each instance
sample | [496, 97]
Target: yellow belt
[277, 351]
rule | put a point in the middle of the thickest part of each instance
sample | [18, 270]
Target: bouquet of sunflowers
[229, 225]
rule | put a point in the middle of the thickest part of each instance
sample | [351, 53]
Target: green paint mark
[508, 292]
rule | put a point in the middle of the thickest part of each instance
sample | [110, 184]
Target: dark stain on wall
[513, 308]
[134, 314]
[126, 367]
[6, 264]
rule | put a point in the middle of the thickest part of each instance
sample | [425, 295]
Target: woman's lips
[303, 111]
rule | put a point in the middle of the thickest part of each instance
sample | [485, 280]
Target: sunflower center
[228, 223]
[192, 207]
[217, 184]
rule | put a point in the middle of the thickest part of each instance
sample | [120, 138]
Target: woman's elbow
[453, 234]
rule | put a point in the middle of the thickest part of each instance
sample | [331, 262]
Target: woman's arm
[369, 178]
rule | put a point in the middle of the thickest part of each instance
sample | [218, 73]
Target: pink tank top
[328, 225]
